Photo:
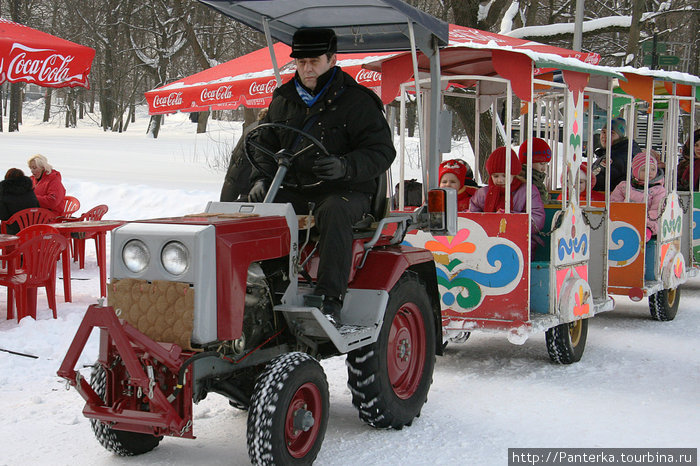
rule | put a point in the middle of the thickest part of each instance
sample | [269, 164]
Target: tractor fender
[384, 266]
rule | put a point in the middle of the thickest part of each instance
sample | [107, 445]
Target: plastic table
[87, 229]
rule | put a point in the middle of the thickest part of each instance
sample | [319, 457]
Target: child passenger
[583, 185]
[452, 175]
[492, 198]
[657, 190]
[541, 156]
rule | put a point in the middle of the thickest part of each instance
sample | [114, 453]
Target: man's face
[310, 69]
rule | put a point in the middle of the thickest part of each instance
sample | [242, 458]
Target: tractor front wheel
[390, 379]
[121, 442]
[288, 413]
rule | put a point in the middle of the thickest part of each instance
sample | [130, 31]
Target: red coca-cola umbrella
[248, 80]
[32, 56]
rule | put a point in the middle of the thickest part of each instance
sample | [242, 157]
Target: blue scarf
[306, 96]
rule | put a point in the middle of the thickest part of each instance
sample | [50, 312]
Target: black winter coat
[348, 120]
[618, 160]
[16, 194]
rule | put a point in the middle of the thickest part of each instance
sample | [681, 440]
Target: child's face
[697, 149]
[499, 179]
[642, 173]
[450, 180]
[582, 183]
[540, 166]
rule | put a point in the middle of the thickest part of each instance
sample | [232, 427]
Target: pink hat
[639, 161]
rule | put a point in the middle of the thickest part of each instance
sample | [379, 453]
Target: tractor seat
[378, 207]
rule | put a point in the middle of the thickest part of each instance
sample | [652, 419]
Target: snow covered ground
[637, 385]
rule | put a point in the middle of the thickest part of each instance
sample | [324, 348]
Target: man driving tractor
[348, 120]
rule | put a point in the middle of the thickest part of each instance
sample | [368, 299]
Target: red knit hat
[455, 166]
[541, 152]
[496, 162]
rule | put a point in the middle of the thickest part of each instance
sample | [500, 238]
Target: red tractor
[217, 302]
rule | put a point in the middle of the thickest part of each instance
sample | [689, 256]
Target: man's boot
[331, 308]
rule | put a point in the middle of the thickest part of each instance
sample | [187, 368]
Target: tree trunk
[633, 38]
[47, 105]
[202, 119]
[249, 116]
[15, 95]
[154, 126]
[466, 112]
[129, 117]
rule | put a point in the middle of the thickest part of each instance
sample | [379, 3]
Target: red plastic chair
[35, 230]
[70, 206]
[38, 257]
[96, 213]
[26, 217]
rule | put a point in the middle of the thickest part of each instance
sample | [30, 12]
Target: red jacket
[50, 192]
[464, 196]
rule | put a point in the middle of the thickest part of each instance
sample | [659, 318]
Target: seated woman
[657, 190]
[492, 198]
[452, 175]
[690, 154]
[16, 193]
[48, 186]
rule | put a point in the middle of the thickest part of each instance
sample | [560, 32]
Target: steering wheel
[302, 136]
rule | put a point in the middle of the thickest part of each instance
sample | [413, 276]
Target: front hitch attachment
[162, 417]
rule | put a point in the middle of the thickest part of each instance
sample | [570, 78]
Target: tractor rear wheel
[288, 413]
[121, 442]
[663, 305]
[390, 378]
[566, 342]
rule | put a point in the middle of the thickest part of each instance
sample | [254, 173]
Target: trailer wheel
[663, 305]
[390, 379]
[121, 442]
[288, 413]
[566, 342]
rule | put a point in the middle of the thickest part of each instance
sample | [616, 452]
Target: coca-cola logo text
[174, 98]
[41, 65]
[368, 76]
[262, 88]
[220, 93]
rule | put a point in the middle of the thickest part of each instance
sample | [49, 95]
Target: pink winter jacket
[656, 194]
[50, 192]
[518, 202]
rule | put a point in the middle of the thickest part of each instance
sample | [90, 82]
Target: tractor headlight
[175, 258]
[135, 256]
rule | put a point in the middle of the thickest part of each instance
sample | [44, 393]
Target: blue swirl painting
[629, 240]
[565, 247]
[508, 260]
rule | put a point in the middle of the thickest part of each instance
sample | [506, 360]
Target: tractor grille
[162, 310]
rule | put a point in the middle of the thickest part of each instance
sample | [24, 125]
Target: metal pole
[434, 155]
[268, 38]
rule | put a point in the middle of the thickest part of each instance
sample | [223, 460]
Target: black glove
[258, 191]
[330, 168]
